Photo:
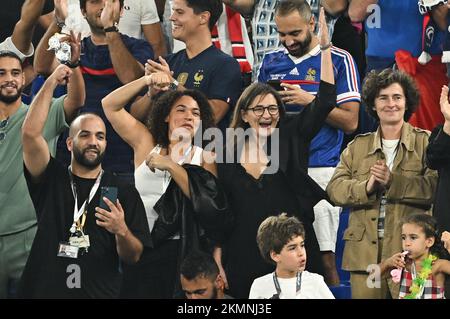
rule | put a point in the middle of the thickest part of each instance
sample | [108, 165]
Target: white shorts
[326, 221]
[8, 45]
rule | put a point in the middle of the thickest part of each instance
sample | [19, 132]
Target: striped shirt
[305, 71]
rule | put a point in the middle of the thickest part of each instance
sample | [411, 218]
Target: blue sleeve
[347, 80]
[227, 82]
[141, 50]
[262, 74]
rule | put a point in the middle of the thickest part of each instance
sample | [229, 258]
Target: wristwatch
[60, 24]
[113, 28]
[174, 85]
[72, 65]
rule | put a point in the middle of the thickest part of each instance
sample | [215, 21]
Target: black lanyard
[298, 284]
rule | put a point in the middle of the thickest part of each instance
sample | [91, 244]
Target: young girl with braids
[418, 268]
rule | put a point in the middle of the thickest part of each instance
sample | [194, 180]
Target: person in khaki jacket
[382, 176]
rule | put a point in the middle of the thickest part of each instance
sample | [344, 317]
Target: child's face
[292, 257]
[415, 241]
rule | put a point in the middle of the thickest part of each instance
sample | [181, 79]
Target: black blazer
[438, 158]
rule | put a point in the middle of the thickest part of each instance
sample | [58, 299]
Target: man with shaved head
[17, 216]
[78, 246]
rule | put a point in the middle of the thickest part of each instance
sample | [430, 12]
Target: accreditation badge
[66, 250]
[80, 241]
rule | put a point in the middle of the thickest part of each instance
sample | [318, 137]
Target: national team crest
[198, 77]
[310, 75]
[182, 78]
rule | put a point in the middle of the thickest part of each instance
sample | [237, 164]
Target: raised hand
[61, 75]
[61, 10]
[446, 240]
[111, 13]
[75, 45]
[445, 106]
[324, 39]
[158, 81]
[152, 67]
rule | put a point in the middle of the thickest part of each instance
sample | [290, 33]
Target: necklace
[3, 125]
[416, 289]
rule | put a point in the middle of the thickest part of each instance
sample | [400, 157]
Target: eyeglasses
[259, 109]
[3, 125]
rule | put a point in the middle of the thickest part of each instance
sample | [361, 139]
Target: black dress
[253, 201]
[288, 190]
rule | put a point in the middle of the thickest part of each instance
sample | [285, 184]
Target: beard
[94, 25]
[303, 47]
[83, 160]
[8, 99]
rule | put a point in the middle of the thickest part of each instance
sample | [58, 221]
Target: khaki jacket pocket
[354, 233]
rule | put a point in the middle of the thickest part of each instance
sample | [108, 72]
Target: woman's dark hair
[250, 94]
[246, 99]
[429, 225]
[163, 104]
[375, 82]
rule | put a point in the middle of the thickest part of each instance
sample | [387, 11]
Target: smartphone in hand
[276, 84]
[110, 192]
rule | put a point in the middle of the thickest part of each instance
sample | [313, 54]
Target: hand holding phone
[276, 84]
[110, 192]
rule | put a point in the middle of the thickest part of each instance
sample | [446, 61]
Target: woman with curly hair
[382, 177]
[185, 207]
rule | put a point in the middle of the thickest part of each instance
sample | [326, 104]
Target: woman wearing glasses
[268, 175]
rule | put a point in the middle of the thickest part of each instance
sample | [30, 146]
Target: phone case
[109, 192]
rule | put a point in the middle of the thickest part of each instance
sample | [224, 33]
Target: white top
[390, 150]
[151, 186]
[312, 287]
[135, 14]
[75, 20]
[8, 45]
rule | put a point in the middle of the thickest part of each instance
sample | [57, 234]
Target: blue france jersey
[305, 71]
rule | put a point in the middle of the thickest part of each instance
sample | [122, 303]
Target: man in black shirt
[78, 246]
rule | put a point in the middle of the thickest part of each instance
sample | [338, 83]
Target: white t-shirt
[390, 148]
[75, 20]
[312, 287]
[135, 14]
[8, 45]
